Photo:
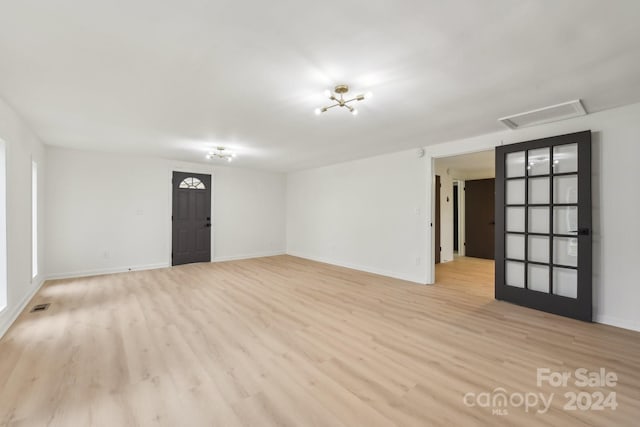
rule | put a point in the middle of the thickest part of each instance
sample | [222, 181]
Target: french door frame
[580, 307]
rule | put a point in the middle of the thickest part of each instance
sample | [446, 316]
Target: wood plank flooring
[283, 341]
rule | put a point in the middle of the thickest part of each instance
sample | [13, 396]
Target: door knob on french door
[583, 231]
[207, 225]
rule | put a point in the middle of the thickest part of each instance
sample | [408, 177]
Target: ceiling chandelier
[221, 153]
[338, 98]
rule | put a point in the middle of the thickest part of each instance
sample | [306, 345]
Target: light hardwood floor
[286, 341]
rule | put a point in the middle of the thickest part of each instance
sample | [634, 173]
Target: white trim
[366, 269]
[35, 187]
[12, 315]
[101, 271]
[430, 259]
[4, 277]
[248, 256]
[617, 322]
[113, 270]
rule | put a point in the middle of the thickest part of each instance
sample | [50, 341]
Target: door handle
[583, 231]
[207, 225]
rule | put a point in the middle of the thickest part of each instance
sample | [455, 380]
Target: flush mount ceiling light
[221, 153]
[338, 98]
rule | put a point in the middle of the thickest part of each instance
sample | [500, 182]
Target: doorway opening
[465, 221]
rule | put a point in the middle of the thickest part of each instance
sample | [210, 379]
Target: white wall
[22, 146]
[367, 214]
[108, 212]
[616, 150]
[446, 212]
[249, 213]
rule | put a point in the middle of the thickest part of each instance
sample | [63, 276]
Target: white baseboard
[111, 270]
[248, 256]
[13, 314]
[366, 269]
[617, 322]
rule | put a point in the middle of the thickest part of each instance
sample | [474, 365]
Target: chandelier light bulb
[354, 112]
[327, 93]
[368, 95]
[229, 159]
[317, 111]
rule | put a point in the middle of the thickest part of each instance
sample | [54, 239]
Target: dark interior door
[455, 218]
[479, 199]
[543, 224]
[191, 218]
[437, 246]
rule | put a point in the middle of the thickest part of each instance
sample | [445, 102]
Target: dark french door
[543, 224]
[191, 218]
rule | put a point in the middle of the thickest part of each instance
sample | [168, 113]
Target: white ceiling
[174, 78]
[478, 165]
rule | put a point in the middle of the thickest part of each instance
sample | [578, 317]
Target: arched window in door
[192, 183]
